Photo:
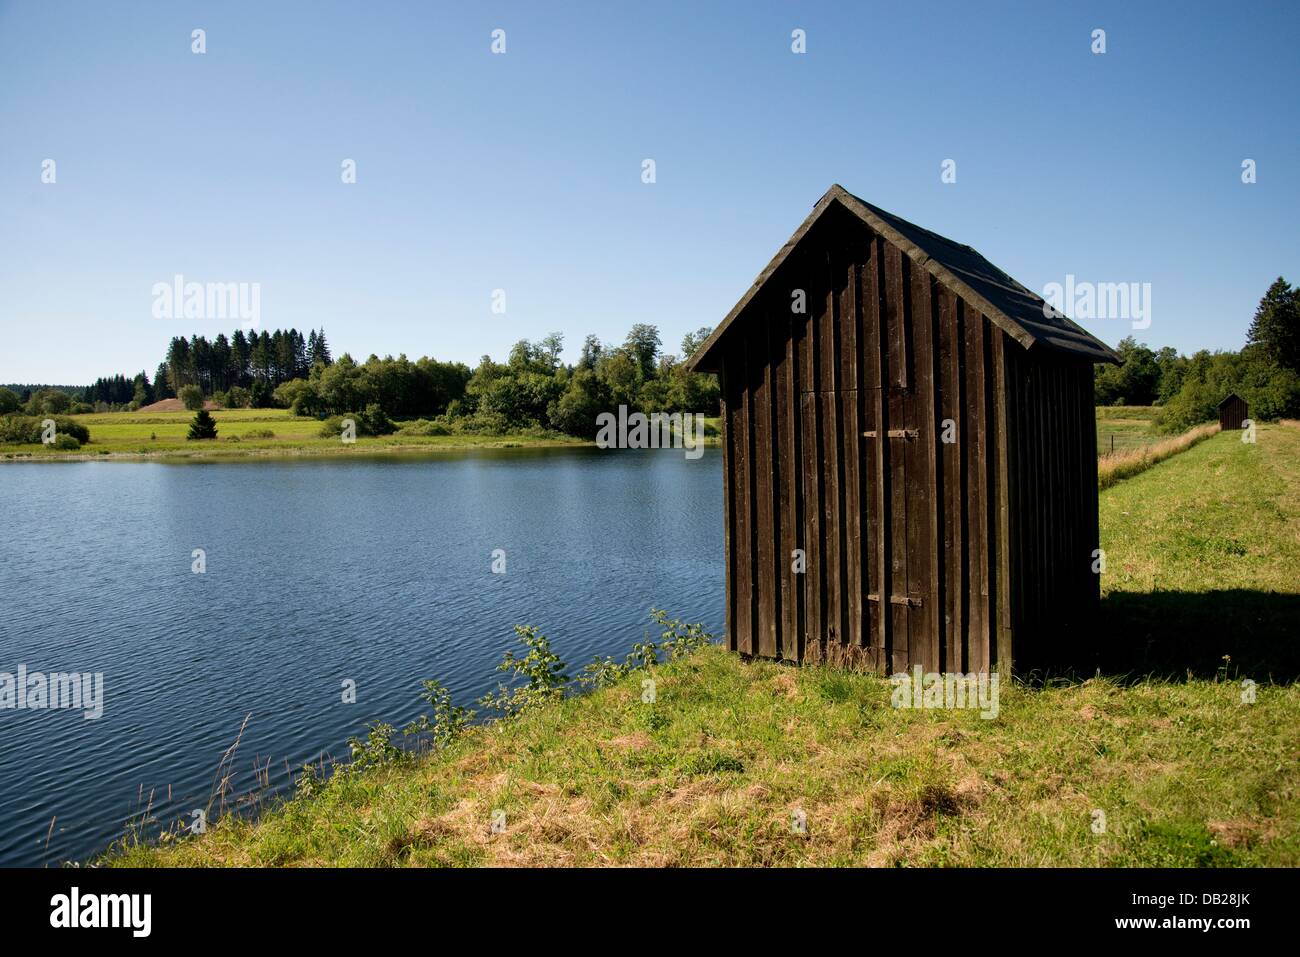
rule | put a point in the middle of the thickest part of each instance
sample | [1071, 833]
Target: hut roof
[1228, 398]
[1008, 304]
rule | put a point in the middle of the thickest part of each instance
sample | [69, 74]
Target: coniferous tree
[203, 426]
[1275, 330]
[322, 349]
[161, 387]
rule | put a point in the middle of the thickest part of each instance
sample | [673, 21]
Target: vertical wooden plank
[811, 466]
[879, 355]
[1004, 643]
[977, 511]
[851, 448]
[897, 418]
[759, 357]
[796, 488]
[951, 342]
[741, 476]
[831, 457]
[923, 547]
[728, 499]
[783, 431]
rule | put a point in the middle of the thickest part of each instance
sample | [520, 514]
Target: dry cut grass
[1126, 463]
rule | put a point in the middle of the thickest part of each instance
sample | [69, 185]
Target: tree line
[531, 389]
[1266, 372]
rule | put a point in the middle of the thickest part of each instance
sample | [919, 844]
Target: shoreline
[289, 452]
[213, 455]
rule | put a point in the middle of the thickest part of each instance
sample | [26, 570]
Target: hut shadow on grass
[1169, 634]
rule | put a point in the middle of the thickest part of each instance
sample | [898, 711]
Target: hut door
[898, 561]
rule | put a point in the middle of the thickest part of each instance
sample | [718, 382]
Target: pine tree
[1276, 326]
[162, 389]
[203, 426]
[322, 348]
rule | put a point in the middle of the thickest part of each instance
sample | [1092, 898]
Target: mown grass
[714, 772]
[1114, 467]
[242, 433]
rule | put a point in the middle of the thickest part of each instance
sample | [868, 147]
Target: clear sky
[522, 171]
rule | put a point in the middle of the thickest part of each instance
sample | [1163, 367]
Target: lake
[374, 569]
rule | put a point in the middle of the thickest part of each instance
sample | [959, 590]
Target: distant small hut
[1233, 412]
[910, 455]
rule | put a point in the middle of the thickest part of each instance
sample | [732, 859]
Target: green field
[240, 434]
[162, 434]
[1124, 427]
[1201, 591]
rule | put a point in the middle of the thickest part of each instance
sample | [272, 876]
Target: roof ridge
[1055, 331]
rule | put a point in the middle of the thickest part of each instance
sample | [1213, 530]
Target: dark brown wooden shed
[1232, 412]
[925, 433]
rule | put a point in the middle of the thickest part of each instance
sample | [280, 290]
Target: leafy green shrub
[449, 720]
[376, 749]
[372, 421]
[678, 638]
[26, 429]
[603, 672]
[424, 427]
[66, 442]
[191, 397]
[541, 670]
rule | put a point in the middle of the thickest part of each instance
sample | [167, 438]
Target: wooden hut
[910, 454]
[1232, 412]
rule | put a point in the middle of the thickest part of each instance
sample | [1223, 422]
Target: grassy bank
[248, 433]
[1201, 553]
[1113, 467]
[252, 433]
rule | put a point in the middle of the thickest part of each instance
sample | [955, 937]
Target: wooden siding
[951, 555]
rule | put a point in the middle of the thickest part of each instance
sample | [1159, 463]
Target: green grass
[713, 773]
[162, 435]
[1124, 427]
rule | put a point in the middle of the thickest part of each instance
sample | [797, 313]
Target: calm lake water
[371, 569]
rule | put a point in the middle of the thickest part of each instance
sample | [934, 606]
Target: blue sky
[522, 171]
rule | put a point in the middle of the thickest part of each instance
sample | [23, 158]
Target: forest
[534, 390]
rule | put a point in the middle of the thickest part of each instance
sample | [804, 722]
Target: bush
[67, 442]
[541, 670]
[373, 421]
[238, 398]
[26, 429]
[259, 434]
[191, 397]
[370, 422]
[449, 720]
[424, 427]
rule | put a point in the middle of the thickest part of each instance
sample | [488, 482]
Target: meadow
[249, 432]
[1178, 750]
